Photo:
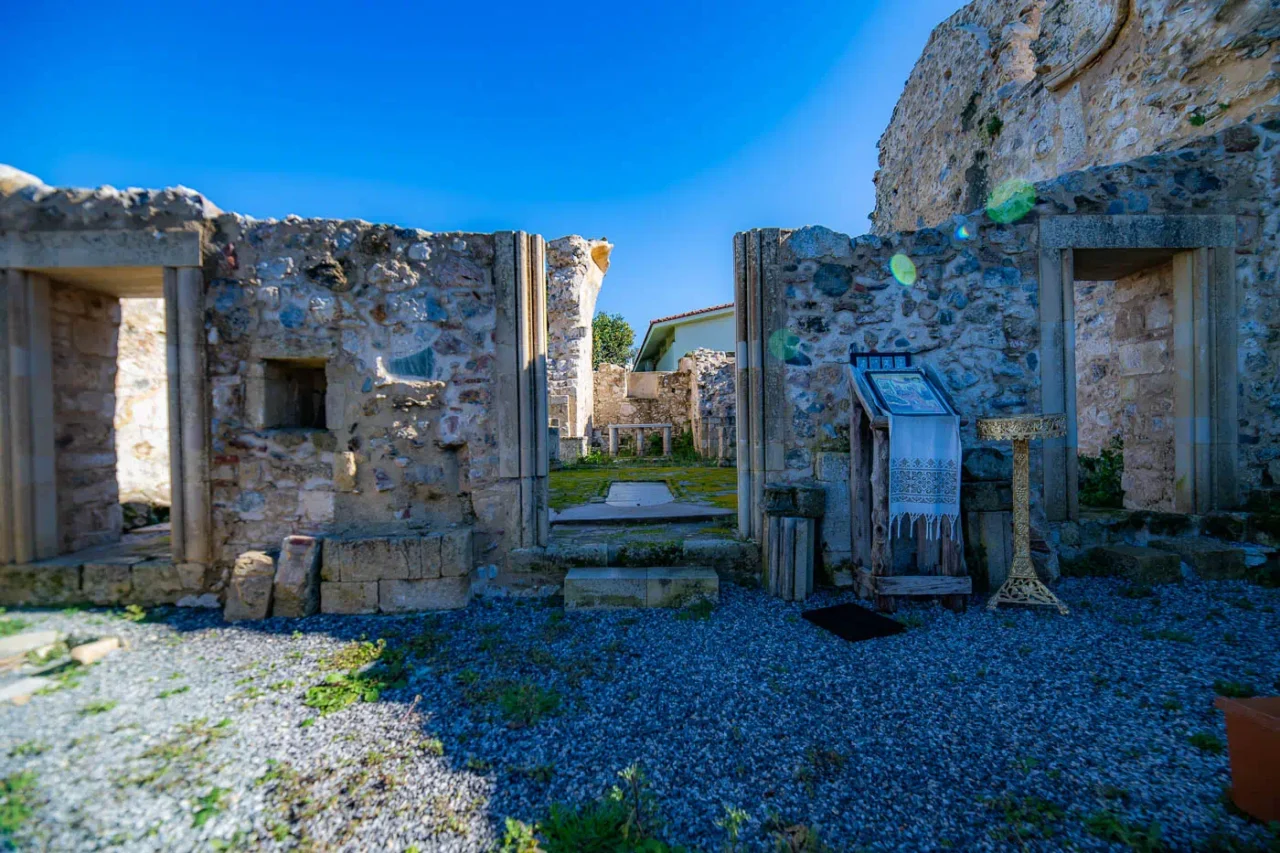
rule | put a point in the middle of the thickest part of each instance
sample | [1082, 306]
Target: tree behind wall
[612, 337]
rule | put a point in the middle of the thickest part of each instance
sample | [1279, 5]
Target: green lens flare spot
[904, 269]
[1011, 201]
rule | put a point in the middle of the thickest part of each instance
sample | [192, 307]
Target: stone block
[1212, 560]
[349, 597]
[456, 557]
[681, 586]
[90, 653]
[249, 593]
[344, 471]
[382, 558]
[1138, 564]
[408, 596]
[156, 582]
[17, 645]
[988, 544]
[297, 582]
[605, 588]
[986, 496]
[32, 585]
[986, 464]
[107, 583]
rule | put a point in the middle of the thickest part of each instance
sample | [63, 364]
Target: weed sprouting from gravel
[1234, 689]
[525, 703]
[1025, 817]
[11, 625]
[16, 807]
[1110, 826]
[165, 694]
[1206, 742]
[732, 822]
[208, 805]
[95, 708]
[820, 764]
[624, 819]
[355, 655]
[699, 611]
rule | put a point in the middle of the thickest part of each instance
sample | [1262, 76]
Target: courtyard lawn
[697, 484]
[739, 727]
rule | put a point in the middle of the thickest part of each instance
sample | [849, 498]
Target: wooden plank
[866, 584]
[922, 585]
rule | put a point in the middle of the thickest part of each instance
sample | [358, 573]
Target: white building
[670, 338]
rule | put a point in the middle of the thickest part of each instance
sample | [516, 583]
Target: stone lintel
[144, 247]
[1137, 232]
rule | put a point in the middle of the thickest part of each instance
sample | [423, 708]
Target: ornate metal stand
[1023, 586]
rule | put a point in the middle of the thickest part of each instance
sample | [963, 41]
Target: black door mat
[853, 623]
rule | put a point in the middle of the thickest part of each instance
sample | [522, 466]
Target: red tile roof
[691, 313]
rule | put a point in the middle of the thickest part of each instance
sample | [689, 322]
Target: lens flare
[1011, 201]
[784, 344]
[904, 270]
[963, 232]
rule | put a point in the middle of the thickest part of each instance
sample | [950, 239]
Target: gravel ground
[973, 731]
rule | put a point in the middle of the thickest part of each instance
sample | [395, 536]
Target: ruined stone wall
[575, 274]
[142, 405]
[401, 322]
[1002, 90]
[651, 397]
[972, 310]
[84, 327]
[713, 416]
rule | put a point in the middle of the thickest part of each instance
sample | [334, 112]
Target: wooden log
[893, 585]
[881, 546]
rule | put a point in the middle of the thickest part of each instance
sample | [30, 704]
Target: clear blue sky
[664, 126]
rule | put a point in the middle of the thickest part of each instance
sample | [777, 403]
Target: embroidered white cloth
[924, 472]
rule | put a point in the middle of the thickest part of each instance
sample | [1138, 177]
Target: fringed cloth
[924, 473]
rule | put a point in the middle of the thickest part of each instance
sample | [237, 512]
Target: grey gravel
[932, 738]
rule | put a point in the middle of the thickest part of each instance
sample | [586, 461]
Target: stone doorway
[1150, 357]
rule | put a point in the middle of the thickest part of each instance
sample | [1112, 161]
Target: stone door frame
[1204, 349]
[143, 262]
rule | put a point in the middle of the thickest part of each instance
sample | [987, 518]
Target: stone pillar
[666, 441]
[195, 423]
[173, 377]
[6, 434]
[613, 440]
[575, 272]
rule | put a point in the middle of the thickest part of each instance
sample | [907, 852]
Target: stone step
[610, 587]
[1212, 560]
[1139, 564]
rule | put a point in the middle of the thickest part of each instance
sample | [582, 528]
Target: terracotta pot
[1253, 742]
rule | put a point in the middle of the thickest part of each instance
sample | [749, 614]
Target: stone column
[6, 434]
[613, 440]
[666, 441]
[195, 422]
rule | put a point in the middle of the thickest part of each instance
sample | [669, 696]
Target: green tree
[612, 337]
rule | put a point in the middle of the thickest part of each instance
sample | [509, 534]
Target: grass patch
[17, 795]
[624, 819]
[355, 655]
[94, 708]
[10, 625]
[209, 805]
[577, 485]
[525, 703]
[174, 691]
[1109, 826]
[1026, 817]
[699, 611]
[1207, 742]
[29, 748]
[819, 765]
[1234, 689]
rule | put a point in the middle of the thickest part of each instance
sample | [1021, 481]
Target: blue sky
[664, 126]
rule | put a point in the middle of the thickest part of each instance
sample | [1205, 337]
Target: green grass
[17, 792]
[11, 625]
[693, 483]
[355, 655]
[1026, 817]
[1207, 742]
[525, 703]
[1234, 689]
[94, 708]
[209, 805]
[1109, 826]
[165, 694]
[699, 611]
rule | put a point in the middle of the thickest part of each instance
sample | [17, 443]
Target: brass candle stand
[1023, 586]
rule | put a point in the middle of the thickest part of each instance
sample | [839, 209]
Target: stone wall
[1006, 89]
[713, 418]
[401, 324]
[85, 326]
[142, 407]
[970, 307]
[575, 274]
[1097, 376]
[650, 397]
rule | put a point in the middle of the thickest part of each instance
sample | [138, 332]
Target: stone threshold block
[1139, 564]
[600, 588]
[416, 557]
[1211, 559]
